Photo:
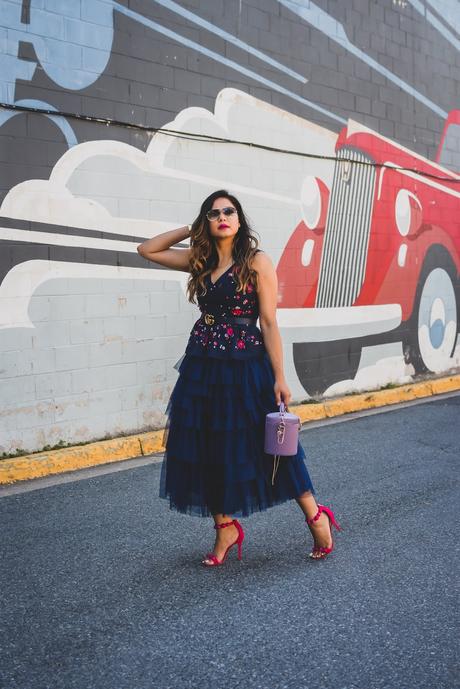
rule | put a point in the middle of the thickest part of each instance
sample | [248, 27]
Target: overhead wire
[209, 138]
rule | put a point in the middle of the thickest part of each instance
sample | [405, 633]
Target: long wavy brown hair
[204, 257]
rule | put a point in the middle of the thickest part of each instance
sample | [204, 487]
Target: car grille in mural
[346, 240]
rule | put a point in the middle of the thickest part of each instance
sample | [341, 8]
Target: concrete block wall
[98, 361]
[89, 331]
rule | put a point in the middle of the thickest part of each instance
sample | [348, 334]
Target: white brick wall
[97, 363]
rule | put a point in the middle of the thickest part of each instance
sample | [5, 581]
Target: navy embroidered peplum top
[227, 340]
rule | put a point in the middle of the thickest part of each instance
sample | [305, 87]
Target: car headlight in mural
[315, 200]
[408, 212]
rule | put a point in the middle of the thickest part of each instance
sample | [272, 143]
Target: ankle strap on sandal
[222, 526]
[330, 515]
[316, 517]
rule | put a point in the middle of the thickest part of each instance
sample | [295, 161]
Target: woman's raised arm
[158, 249]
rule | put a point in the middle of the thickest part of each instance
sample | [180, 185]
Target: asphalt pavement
[102, 588]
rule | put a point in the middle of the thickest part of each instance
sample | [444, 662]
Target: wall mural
[364, 233]
[378, 258]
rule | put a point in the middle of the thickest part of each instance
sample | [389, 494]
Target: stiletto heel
[320, 552]
[214, 562]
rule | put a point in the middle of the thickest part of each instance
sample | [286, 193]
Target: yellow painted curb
[445, 384]
[151, 442]
[308, 412]
[42, 464]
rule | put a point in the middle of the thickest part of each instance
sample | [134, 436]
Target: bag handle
[276, 458]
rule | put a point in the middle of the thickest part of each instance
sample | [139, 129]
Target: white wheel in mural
[437, 321]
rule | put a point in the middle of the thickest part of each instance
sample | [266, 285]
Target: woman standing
[230, 377]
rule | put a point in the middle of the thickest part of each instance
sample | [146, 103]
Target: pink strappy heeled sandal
[214, 562]
[320, 552]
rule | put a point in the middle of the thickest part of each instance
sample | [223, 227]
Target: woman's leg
[321, 529]
[224, 537]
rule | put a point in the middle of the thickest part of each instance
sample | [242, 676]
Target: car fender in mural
[377, 258]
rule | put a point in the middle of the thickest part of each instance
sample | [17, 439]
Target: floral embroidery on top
[227, 338]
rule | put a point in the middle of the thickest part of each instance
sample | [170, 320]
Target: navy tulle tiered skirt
[214, 458]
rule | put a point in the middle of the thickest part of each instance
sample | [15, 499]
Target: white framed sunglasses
[215, 212]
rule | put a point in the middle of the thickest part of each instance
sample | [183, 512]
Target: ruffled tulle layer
[214, 459]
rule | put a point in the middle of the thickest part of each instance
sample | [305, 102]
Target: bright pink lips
[223, 226]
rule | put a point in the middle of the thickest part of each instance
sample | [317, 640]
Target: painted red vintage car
[375, 259]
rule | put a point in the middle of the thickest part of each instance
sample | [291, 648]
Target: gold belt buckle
[209, 319]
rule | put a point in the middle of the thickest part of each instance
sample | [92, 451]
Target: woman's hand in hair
[157, 249]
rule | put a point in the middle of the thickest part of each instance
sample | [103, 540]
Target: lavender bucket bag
[281, 435]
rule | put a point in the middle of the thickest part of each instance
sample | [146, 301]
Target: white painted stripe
[402, 254]
[225, 61]
[23, 279]
[58, 120]
[359, 128]
[328, 25]
[174, 7]
[434, 21]
[426, 180]
[339, 317]
[70, 240]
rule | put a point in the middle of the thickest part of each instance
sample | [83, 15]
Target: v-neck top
[227, 340]
[220, 276]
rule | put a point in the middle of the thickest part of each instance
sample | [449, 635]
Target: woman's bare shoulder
[262, 262]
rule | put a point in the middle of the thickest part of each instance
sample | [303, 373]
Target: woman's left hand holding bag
[282, 392]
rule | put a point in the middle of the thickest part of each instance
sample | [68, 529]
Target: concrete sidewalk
[41, 464]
